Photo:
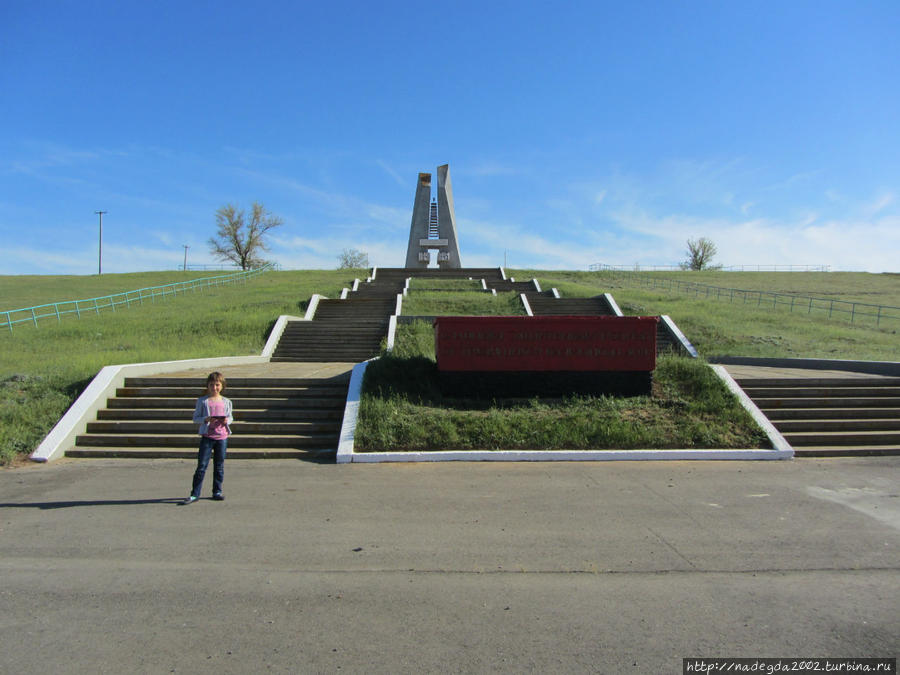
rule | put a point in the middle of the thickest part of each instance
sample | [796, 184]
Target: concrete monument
[433, 224]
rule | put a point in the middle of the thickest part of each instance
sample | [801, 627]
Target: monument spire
[429, 231]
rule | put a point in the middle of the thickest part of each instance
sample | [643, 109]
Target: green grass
[422, 284]
[874, 289]
[719, 328]
[44, 368]
[402, 409]
[472, 303]
[21, 291]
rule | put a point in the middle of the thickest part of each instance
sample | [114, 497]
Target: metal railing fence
[57, 310]
[637, 267]
[855, 312]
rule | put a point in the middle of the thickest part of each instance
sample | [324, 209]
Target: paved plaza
[602, 567]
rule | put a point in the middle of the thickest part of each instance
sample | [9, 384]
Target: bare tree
[700, 254]
[239, 239]
[351, 259]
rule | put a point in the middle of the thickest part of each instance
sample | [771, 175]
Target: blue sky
[576, 132]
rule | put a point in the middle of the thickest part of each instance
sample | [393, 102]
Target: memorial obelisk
[424, 234]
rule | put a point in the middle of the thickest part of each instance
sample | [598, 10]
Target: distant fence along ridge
[57, 310]
[637, 267]
[856, 312]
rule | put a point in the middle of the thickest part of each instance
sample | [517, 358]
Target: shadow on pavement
[91, 502]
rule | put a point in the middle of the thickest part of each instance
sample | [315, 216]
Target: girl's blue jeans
[216, 448]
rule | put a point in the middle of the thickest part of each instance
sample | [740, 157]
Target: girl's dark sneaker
[219, 497]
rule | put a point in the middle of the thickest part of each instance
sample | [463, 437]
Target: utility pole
[100, 249]
[186, 247]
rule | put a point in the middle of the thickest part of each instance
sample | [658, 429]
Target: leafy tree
[351, 259]
[239, 239]
[700, 254]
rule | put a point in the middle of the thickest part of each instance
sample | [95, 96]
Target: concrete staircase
[832, 416]
[387, 285]
[274, 417]
[348, 330]
[666, 342]
[547, 305]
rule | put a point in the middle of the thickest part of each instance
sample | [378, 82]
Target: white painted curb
[558, 455]
[526, 305]
[778, 441]
[277, 331]
[676, 331]
[611, 301]
[312, 306]
[392, 332]
[351, 414]
[346, 453]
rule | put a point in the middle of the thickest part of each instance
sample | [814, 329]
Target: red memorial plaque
[545, 343]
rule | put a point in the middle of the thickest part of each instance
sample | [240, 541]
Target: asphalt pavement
[607, 567]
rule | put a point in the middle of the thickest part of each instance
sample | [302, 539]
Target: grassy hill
[28, 290]
[718, 327]
[43, 369]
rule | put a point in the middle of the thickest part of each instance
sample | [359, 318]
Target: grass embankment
[402, 409]
[458, 297]
[43, 369]
[29, 290]
[719, 328]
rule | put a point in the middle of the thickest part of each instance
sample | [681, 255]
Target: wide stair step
[274, 417]
[542, 305]
[847, 451]
[315, 454]
[192, 440]
[486, 273]
[832, 416]
[243, 428]
[238, 403]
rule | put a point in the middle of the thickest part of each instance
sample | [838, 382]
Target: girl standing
[213, 414]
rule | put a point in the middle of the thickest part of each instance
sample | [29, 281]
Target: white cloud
[526, 248]
[84, 259]
[393, 174]
[322, 253]
[345, 207]
[880, 203]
